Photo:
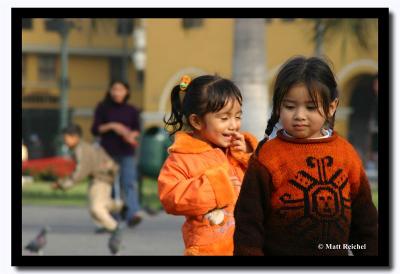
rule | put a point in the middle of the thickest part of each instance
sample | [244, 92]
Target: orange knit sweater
[305, 197]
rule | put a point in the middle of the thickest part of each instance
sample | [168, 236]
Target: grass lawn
[40, 193]
[375, 196]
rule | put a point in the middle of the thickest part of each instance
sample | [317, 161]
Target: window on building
[125, 26]
[27, 23]
[116, 69]
[189, 23]
[47, 67]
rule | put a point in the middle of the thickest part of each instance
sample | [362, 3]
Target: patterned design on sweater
[324, 201]
[299, 193]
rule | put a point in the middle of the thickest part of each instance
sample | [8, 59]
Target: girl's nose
[234, 125]
[299, 114]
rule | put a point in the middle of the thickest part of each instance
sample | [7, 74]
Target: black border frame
[384, 66]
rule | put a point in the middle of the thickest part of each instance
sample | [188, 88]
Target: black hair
[315, 74]
[204, 94]
[72, 129]
[108, 99]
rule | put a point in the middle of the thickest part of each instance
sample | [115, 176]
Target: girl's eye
[288, 107]
[311, 107]
[224, 118]
[239, 117]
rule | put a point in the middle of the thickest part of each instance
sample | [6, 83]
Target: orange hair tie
[184, 83]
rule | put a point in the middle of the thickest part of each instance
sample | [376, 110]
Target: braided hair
[315, 74]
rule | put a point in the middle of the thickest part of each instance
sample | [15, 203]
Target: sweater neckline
[281, 135]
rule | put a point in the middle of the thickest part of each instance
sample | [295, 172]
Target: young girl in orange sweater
[305, 192]
[202, 176]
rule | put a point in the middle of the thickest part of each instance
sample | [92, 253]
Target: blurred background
[67, 65]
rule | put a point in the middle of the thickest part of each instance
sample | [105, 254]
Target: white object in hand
[216, 216]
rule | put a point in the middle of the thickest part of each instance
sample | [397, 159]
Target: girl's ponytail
[176, 118]
[271, 123]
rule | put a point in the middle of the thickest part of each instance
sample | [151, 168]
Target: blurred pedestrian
[117, 124]
[93, 162]
[203, 173]
[24, 152]
[24, 158]
[35, 146]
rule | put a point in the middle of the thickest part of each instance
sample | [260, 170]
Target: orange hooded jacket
[197, 178]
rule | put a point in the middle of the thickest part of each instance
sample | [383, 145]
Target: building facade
[152, 54]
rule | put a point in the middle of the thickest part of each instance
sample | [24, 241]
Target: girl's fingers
[237, 143]
[238, 148]
[238, 136]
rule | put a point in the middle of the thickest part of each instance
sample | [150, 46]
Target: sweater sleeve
[182, 195]
[97, 121]
[250, 210]
[135, 125]
[364, 222]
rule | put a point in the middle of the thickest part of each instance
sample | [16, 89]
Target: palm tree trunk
[319, 37]
[249, 73]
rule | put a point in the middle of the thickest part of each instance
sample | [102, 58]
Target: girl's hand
[238, 142]
[215, 216]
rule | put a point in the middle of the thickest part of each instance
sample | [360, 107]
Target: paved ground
[72, 233]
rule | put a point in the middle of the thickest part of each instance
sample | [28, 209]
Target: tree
[327, 29]
[249, 73]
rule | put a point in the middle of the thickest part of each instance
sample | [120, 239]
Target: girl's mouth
[227, 136]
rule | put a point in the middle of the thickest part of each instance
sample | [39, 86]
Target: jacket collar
[186, 143]
[281, 135]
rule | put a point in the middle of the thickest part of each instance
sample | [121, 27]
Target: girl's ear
[333, 106]
[195, 122]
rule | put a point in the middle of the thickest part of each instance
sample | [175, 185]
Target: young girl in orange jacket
[202, 176]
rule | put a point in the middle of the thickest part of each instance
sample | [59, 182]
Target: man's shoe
[134, 221]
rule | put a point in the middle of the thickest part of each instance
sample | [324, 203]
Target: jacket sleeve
[251, 209]
[244, 157]
[182, 195]
[98, 120]
[135, 124]
[364, 221]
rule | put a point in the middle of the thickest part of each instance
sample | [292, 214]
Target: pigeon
[37, 244]
[114, 242]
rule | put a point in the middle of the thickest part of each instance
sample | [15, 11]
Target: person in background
[117, 123]
[93, 162]
[24, 158]
[24, 152]
[35, 146]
